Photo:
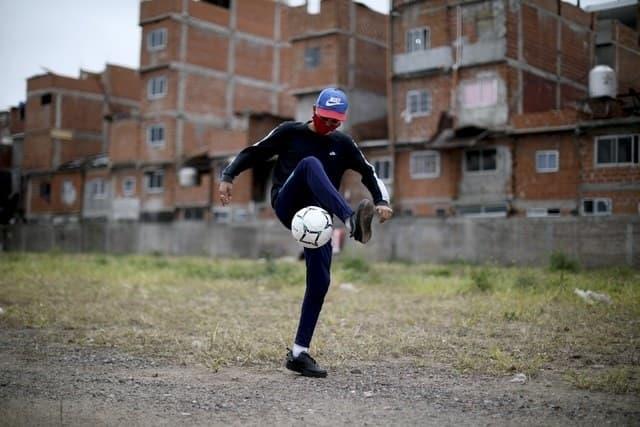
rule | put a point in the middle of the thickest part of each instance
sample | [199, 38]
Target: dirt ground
[51, 384]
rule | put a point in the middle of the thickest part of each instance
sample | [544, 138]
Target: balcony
[423, 60]
[483, 51]
[442, 58]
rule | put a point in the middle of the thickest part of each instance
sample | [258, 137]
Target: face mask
[321, 127]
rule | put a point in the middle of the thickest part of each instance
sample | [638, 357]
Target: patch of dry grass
[224, 312]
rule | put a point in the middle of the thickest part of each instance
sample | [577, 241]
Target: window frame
[595, 201]
[46, 98]
[150, 87]
[424, 175]
[312, 57]
[194, 213]
[409, 44]
[543, 213]
[151, 47]
[148, 175]
[156, 144]
[484, 211]
[97, 188]
[381, 159]
[419, 93]
[635, 150]
[547, 153]
[132, 180]
[481, 171]
[68, 190]
[44, 190]
[221, 214]
[493, 80]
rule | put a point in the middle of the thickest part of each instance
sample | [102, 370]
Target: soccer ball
[312, 227]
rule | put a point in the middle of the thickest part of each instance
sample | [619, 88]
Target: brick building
[212, 73]
[66, 133]
[489, 109]
[345, 46]
[217, 76]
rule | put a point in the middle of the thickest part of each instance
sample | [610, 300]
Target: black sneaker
[305, 365]
[360, 222]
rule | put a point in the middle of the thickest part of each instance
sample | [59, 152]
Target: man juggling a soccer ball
[312, 157]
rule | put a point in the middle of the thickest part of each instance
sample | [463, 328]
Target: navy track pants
[308, 185]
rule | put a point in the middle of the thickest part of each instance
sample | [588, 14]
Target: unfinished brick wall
[37, 152]
[151, 58]
[81, 114]
[533, 185]
[214, 44]
[420, 127]
[422, 196]
[56, 204]
[124, 146]
[256, 17]
[157, 154]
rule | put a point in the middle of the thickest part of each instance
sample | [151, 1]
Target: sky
[64, 36]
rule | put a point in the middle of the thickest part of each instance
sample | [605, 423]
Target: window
[157, 87]
[596, 206]
[45, 191]
[129, 186]
[45, 99]
[480, 93]
[222, 3]
[68, 192]
[418, 102]
[418, 39]
[311, 57]
[617, 150]
[222, 214]
[157, 39]
[154, 181]
[155, 136]
[425, 164]
[547, 161]
[97, 188]
[480, 160]
[483, 211]
[194, 214]
[543, 212]
[382, 166]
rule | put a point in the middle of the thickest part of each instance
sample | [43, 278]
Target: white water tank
[313, 7]
[187, 177]
[602, 82]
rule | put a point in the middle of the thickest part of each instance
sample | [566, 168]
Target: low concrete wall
[594, 242]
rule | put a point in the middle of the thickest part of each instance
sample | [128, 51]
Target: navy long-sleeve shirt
[292, 142]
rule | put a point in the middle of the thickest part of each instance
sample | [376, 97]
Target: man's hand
[384, 212]
[225, 189]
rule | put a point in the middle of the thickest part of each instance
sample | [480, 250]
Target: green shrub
[481, 279]
[559, 261]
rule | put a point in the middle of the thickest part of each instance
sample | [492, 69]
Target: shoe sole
[305, 373]
[364, 218]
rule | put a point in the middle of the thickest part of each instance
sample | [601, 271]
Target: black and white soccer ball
[312, 227]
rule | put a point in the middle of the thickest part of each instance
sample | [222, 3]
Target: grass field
[491, 320]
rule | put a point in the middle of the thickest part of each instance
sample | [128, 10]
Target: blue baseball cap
[332, 103]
